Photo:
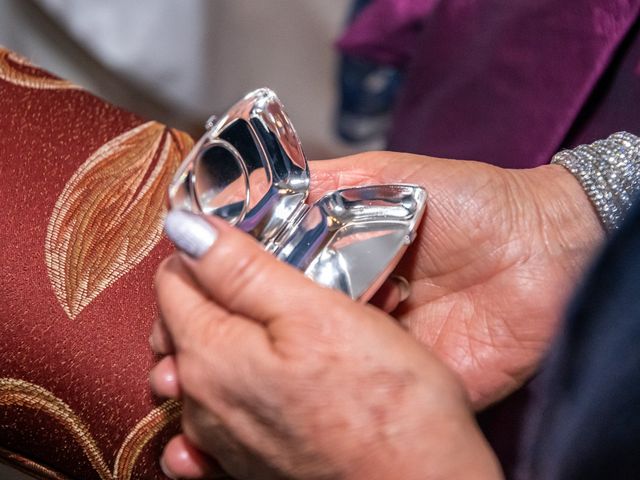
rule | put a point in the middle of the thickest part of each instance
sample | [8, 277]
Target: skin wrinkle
[473, 282]
[197, 415]
[373, 411]
[475, 336]
[575, 213]
[435, 205]
[473, 340]
[508, 301]
[473, 359]
[449, 317]
[435, 336]
[392, 384]
[451, 226]
[540, 228]
[478, 288]
[464, 288]
[516, 215]
[222, 401]
[451, 271]
[520, 344]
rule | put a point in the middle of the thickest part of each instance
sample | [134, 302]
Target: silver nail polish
[189, 232]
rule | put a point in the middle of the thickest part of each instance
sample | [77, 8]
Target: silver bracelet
[609, 172]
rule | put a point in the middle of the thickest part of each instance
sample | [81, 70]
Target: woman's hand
[496, 258]
[280, 377]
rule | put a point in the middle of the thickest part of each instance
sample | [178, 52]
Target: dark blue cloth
[368, 91]
[587, 425]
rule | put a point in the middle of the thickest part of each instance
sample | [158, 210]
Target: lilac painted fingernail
[191, 233]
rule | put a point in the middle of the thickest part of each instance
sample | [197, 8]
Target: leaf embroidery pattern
[18, 71]
[23, 394]
[109, 215]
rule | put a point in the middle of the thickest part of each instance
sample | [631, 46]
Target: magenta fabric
[506, 82]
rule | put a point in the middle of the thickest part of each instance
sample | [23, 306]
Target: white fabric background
[181, 60]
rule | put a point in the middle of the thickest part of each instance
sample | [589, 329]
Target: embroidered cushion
[83, 198]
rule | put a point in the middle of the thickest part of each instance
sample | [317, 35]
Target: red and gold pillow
[83, 186]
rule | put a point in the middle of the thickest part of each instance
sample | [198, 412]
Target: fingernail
[165, 470]
[191, 233]
[163, 379]
[403, 286]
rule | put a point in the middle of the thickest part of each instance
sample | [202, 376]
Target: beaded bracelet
[609, 172]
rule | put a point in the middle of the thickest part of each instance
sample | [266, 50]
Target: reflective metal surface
[272, 183]
[352, 238]
[249, 168]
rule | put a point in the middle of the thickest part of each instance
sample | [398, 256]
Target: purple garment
[505, 82]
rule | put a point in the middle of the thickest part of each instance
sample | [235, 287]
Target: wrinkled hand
[497, 256]
[282, 378]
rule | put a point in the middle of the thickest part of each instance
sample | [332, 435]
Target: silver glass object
[249, 168]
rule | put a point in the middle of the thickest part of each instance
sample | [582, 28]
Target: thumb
[233, 269]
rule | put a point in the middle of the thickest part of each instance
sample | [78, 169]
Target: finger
[164, 378]
[235, 271]
[330, 175]
[182, 460]
[160, 340]
[394, 290]
[362, 169]
[192, 319]
[180, 299]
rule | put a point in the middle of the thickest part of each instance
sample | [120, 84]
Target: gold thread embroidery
[19, 71]
[20, 393]
[14, 392]
[142, 433]
[29, 466]
[109, 215]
